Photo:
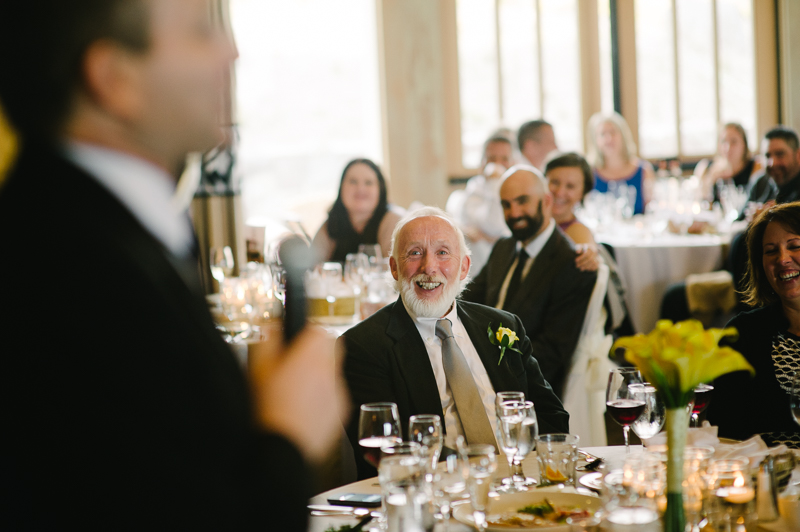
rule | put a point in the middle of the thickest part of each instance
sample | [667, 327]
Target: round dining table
[613, 458]
[649, 263]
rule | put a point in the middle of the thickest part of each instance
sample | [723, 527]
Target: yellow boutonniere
[504, 338]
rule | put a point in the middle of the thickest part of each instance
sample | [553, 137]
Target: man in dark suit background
[533, 274]
[121, 406]
[400, 353]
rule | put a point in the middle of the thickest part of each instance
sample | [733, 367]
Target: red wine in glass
[625, 411]
[702, 397]
[372, 447]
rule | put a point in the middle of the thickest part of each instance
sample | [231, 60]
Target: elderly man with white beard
[431, 353]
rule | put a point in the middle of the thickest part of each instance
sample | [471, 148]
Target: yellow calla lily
[675, 358]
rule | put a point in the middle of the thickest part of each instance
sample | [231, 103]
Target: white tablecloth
[649, 265]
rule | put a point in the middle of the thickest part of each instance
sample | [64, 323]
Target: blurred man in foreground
[121, 405]
[430, 353]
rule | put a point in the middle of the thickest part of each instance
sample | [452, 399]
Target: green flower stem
[677, 424]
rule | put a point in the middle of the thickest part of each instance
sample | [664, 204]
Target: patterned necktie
[516, 277]
[470, 408]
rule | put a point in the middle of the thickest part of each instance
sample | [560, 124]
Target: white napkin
[705, 436]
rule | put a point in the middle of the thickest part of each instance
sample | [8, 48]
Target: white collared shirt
[533, 248]
[144, 188]
[433, 344]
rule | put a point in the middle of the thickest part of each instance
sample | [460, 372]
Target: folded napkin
[753, 449]
[705, 436]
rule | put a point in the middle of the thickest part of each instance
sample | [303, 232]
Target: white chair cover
[585, 389]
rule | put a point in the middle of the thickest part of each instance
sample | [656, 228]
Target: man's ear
[393, 267]
[465, 264]
[111, 76]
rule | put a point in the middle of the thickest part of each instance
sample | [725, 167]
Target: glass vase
[677, 424]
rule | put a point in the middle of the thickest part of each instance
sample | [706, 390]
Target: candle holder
[732, 499]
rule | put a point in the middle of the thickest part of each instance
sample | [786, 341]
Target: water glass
[449, 483]
[499, 399]
[427, 431]
[558, 456]
[623, 509]
[652, 419]
[517, 430]
[400, 474]
[482, 463]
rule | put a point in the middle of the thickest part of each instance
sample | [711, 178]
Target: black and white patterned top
[785, 362]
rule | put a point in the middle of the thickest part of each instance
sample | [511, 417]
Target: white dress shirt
[532, 249]
[142, 187]
[452, 421]
[482, 211]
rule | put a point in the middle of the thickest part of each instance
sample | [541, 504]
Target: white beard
[424, 308]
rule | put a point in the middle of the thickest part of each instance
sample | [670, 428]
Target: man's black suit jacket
[551, 300]
[121, 406]
[386, 360]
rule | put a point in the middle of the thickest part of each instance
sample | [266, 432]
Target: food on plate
[542, 514]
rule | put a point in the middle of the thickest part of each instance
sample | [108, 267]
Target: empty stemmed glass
[221, 263]
[482, 463]
[378, 426]
[621, 405]
[652, 419]
[517, 429]
[426, 430]
[702, 397]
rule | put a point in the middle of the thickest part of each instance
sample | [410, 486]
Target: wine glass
[652, 419]
[426, 430]
[449, 483]
[482, 463]
[795, 397]
[622, 407]
[702, 397]
[378, 426]
[221, 263]
[499, 399]
[517, 429]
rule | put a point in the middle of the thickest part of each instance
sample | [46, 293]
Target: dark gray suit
[386, 360]
[551, 301]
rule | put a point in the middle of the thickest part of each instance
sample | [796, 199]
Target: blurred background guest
[612, 154]
[477, 209]
[360, 214]
[733, 163]
[569, 179]
[769, 336]
[536, 140]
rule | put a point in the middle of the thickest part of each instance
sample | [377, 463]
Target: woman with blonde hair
[612, 154]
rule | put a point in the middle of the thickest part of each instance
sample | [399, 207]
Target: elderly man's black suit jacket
[386, 360]
[551, 301]
[121, 405]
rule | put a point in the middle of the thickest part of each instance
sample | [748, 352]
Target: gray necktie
[473, 416]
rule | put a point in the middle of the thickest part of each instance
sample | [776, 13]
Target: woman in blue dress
[612, 154]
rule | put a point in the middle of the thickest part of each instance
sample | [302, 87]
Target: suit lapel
[413, 362]
[489, 353]
[535, 281]
[505, 256]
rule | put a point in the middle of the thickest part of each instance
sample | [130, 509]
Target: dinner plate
[592, 481]
[513, 501]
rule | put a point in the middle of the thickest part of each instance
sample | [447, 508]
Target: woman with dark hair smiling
[769, 336]
[360, 214]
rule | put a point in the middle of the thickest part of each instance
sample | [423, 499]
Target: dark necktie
[516, 277]
[477, 427]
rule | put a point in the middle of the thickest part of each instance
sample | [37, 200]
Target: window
[518, 60]
[695, 70]
[308, 100]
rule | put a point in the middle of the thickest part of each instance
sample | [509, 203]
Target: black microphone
[296, 258]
